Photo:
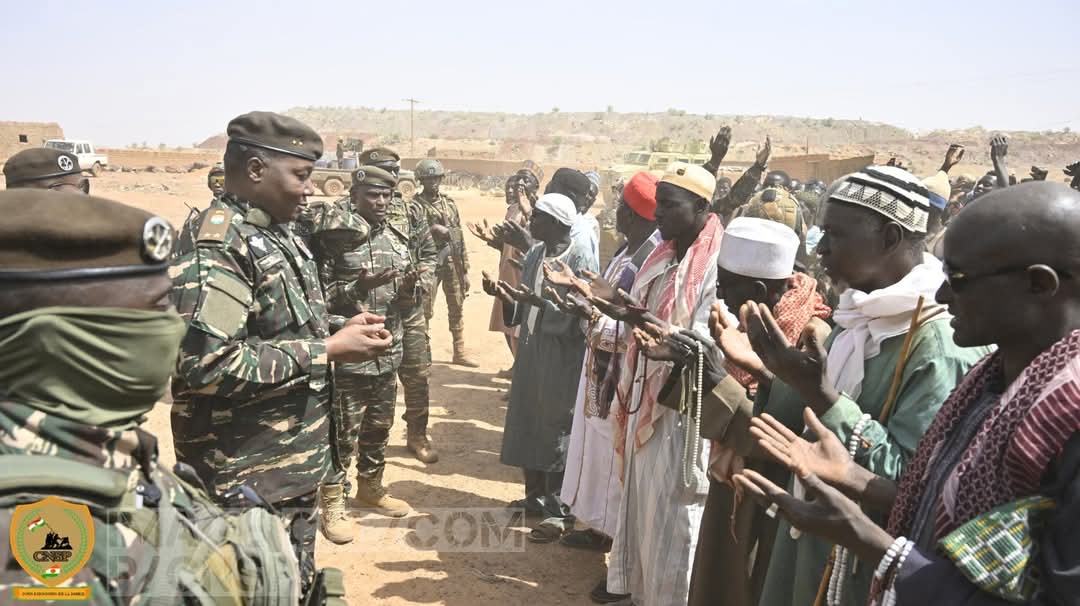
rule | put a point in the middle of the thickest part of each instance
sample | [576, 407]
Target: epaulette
[215, 225]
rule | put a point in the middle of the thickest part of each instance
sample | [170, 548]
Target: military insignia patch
[374, 155]
[65, 163]
[360, 176]
[52, 540]
[157, 239]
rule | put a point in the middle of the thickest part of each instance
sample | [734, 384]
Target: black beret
[378, 156]
[373, 176]
[277, 133]
[39, 163]
[98, 238]
[571, 183]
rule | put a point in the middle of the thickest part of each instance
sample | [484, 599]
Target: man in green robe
[874, 226]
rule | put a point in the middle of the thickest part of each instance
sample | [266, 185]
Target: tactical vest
[206, 556]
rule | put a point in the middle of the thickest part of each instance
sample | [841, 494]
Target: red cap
[640, 194]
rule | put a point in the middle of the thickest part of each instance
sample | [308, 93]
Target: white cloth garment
[591, 485]
[870, 318]
[659, 519]
[586, 226]
[559, 207]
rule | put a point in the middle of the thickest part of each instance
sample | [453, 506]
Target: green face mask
[97, 365]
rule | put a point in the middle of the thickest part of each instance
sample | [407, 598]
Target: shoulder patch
[215, 225]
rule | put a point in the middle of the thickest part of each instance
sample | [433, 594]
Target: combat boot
[419, 444]
[370, 493]
[332, 520]
[460, 357]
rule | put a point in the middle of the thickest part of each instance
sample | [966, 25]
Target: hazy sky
[176, 72]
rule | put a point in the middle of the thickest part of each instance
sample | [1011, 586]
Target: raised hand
[1039, 174]
[522, 294]
[826, 513]
[569, 304]
[558, 273]
[628, 310]
[953, 156]
[713, 362]
[999, 148]
[495, 289]
[735, 344]
[484, 233]
[802, 369]
[517, 236]
[659, 348]
[826, 458]
[718, 145]
[368, 281]
[598, 287]
[763, 154]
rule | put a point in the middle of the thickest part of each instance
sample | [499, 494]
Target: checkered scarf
[799, 304]
[1008, 456]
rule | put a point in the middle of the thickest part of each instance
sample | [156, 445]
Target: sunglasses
[959, 280]
[217, 180]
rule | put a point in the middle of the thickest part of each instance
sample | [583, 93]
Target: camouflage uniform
[452, 271]
[408, 217]
[253, 374]
[367, 391]
[25, 430]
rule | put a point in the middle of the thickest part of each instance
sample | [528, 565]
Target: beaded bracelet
[856, 434]
[890, 593]
[890, 554]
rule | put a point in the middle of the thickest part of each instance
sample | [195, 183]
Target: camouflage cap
[217, 169]
[337, 230]
[276, 132]
[373, 176]
[109, 239]
[39, 163]
[774, 204]
[379, 155]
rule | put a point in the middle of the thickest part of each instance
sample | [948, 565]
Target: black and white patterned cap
[889, 191]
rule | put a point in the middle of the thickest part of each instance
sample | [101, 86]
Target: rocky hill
[596, 139]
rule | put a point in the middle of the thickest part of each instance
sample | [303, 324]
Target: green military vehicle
[334, 181]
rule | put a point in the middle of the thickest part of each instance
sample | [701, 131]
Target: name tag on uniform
[270, 260]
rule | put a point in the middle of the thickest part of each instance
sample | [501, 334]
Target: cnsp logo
[52, 539]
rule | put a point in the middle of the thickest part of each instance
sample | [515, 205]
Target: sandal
[587, 539]
[548, 531]
[600, 594]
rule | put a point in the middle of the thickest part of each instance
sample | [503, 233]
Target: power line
[412, 130]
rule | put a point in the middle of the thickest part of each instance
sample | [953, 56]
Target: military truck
[334, 182]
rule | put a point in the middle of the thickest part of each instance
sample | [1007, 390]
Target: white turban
[758, 248]
[558, 206]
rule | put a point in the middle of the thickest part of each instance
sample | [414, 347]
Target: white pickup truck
[89, 159]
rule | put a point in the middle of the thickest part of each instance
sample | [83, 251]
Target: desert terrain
[391, 562]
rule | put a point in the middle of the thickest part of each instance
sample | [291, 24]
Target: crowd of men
[862, 392]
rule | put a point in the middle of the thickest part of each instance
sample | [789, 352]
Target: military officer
[87, 342]
[408, 217]
[453, 272]
[255, 364]
[374, 277]
[45, 168]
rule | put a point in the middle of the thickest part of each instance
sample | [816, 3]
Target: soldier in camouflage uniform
[69, 416]
[408, 217]
[453, 269]
[379, 277]
[255, 365]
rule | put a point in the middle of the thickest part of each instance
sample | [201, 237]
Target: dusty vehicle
[89, 159]
[637, 161]
[335, 182]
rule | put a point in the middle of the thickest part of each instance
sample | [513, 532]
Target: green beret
[277, 133]
[108, 239]
[378, 156]
[39, 163]
[373, 176]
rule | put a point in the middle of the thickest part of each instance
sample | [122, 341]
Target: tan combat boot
[370, 493]
[460, 357]
[419, 444]
[332, 520]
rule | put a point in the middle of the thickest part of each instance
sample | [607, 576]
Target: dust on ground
[459, 500]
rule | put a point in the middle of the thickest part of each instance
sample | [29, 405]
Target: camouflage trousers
[415, 368]
[362, 417]
[452, 287]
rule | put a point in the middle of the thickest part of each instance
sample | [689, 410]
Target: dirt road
[455, 549]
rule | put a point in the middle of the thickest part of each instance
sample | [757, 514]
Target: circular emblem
[374, 155]
[65, 163]
[360, 176]
[157, 239]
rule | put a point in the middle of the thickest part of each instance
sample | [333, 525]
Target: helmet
[795, 185]
[428, 168]
[777, 178]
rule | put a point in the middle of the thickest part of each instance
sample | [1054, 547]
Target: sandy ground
[460, 548]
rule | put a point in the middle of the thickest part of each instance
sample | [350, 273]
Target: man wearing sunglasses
[45, 168]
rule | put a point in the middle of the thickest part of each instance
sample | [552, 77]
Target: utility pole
[412, 123]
